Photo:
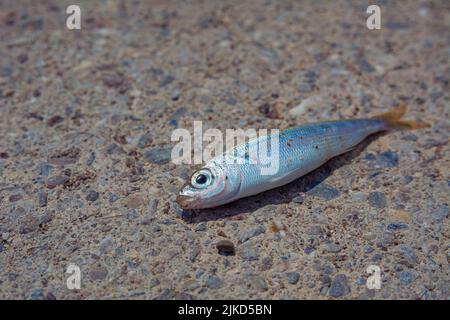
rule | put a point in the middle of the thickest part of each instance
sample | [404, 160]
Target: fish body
[234, 174]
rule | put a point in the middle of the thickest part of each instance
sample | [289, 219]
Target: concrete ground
[85, 170]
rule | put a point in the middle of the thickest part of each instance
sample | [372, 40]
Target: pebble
[408, 253]
[332, 247]
[387, 159]
[144, 140]
[339, 286]
[105, 244]
[56, 180]
[293, 277]
[113, 198]
[133, 214]
[305, 105]
[134, 202]
[258, 283]
[358, 196]
[225, 248]
[92, 196]
[29, 224]
[266, 263]
[91, 158]
[441, 213]
[166, 80]
[394, 226]
[37, 294]
[201, 226]
[15, 197]
[368, 249]
[194, 254]
[365, 66]
[99, 273]
[407, 277]
[113, 80]
[159, 155]
[377, 200]
[45, 169]
[299, 199]
[250, 233]
[145, 220]
[213, 282]
[248, 254]
[324, 191]
[314, 230]
[42, 198]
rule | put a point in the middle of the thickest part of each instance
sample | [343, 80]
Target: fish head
[211, 186]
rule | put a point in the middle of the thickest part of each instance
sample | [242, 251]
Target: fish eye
[201, 179]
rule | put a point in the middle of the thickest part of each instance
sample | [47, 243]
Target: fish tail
[392, 119]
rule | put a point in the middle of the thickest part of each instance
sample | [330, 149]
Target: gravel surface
[85, 170]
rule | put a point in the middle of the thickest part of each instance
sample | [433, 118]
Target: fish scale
[240, 173]
[301, 150]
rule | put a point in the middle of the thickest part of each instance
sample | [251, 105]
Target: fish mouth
[187, 202]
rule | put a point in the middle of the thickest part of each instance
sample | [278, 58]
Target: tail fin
[393, 120]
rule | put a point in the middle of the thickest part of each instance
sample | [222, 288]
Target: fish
[234, 175]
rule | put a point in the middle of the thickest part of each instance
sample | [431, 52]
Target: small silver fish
[301, 149]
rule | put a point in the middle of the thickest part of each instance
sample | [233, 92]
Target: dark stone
[159, 155]
[114, 148]
[42, 198]
[408, 253]
[15, 197]
[407, 277]
[387, 159]
[299, 199]
[269, 110]
[56, 180]
[339, 286]
[308, 250]
[225, 248]
[113, 80]
[258, 283]
[314, 230]
[368, 249]
[410, 137]
[166, 80]
[394, 226]
[54, 120]
[92, 195]
[213, 282]
[332, 247]
[293, 277]
[37, 294]
[98, 273]
[90, 160]
[165, 294]
[113, 198]
[377, 200]
[201, 226]
[250, 233]
[266, 263]
[231, 101]
[248, 254]
[324, 191]
[144, 140]
[393, 25]
[441, 213]
[366, 66]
